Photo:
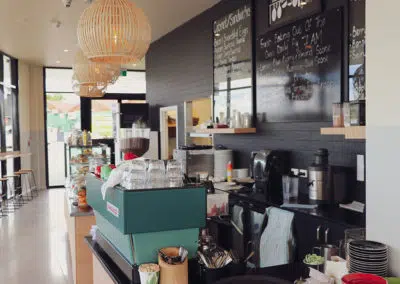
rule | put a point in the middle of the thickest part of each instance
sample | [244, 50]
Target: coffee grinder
[268, 167]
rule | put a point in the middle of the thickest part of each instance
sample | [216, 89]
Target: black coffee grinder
[268, 167]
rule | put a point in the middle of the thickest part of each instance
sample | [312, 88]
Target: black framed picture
[282, 12]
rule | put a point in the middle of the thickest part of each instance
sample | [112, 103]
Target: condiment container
[337, 115]
[346, 114]
[173, 273]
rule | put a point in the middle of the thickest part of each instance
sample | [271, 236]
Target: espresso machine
[268, 167]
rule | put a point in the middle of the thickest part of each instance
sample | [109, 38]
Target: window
[103, 118]
[59, 80]
[9, 134]
[133, 83]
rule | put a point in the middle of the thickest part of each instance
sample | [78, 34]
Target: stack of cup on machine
[141, 174]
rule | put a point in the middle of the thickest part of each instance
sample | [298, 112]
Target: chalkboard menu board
[357, 49]
[233, 64]
[285, 11]
[299, 72]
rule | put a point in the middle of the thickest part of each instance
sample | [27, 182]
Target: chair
[10, 185]
[3, 198]
[23, 188]
[31, 181]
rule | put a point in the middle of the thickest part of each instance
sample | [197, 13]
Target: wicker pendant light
[87, 91]
[89, 73]
[114, 31]
[90, 92]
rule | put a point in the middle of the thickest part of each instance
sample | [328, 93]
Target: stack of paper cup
[221, 160]
[149, 273]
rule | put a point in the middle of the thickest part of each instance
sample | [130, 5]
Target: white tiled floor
[34, 244]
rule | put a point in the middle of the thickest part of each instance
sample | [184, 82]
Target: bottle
[229, 172]
[84, 138]
[90, 142]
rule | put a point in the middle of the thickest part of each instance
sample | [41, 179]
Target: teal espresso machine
[134, 224]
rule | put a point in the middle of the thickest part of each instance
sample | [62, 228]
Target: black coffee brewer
[267, 168]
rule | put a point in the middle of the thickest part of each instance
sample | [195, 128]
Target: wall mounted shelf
[352, 132]
[226, 131]
[199, 135]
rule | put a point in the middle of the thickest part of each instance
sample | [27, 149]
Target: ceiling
[28, 32]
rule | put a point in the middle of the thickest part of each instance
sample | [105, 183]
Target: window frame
[14, 86]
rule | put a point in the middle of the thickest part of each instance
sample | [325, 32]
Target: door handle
[327, 235]
[318, 233]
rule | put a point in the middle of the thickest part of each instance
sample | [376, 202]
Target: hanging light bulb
[114, 31]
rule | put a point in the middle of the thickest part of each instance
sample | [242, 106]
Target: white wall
[383, 125]
[31, 111]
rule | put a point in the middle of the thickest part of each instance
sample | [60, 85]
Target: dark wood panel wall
[180, 68]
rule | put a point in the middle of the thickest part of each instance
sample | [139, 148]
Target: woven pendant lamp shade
[90, 92]
[93, 74]
[87, 91]
[114, 31]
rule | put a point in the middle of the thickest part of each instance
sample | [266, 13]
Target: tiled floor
[33, 242]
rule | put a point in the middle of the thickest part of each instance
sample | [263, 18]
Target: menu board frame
[324, 88]
[248, 61]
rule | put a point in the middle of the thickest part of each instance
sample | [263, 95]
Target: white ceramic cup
[240, 173]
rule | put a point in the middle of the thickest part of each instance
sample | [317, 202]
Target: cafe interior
[199, 142]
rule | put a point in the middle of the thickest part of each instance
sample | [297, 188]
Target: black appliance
[318, 177]
[342, 181]
[268, 167]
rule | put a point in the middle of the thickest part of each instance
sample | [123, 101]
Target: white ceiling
[26, 31]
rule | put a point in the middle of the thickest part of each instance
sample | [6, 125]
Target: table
[13, 155]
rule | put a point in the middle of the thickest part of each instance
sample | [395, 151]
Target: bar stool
[25, 185]
[3, 196]
[31, 180]
[15, 180]
[11, 186]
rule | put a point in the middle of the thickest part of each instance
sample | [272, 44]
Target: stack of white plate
[368, 257]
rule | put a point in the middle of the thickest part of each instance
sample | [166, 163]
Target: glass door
[63, 113]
